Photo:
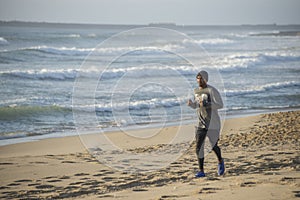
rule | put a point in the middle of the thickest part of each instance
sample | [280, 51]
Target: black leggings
[213, 136]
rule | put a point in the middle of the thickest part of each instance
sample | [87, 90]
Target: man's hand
[189, 102]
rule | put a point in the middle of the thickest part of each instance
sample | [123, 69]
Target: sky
[181, 12]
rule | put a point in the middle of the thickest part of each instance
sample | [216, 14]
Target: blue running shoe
[221, 168]
[200, 174]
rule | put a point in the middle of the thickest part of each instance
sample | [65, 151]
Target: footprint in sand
[23, 181]
[14, 184]
[172, 196]
[65, 177]
[108, 178]
[6, 163]
[54, 181]
[44, 186]
[50, 177]
[248, 184]
[33, 184]
[99, 174]
[68, 161]
[208, 190]
[139, 190]
[76, 183]
[81, 174]
[71, 187]
[85, 178]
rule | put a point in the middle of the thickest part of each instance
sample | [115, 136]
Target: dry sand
[261, 155]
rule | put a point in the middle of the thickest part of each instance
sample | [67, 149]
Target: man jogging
[207, 102]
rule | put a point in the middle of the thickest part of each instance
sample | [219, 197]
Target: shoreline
[236, 114]
[261, 155]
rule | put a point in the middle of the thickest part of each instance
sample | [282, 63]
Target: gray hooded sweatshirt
[208, 116]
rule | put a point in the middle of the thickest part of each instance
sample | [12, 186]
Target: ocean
[57, 79]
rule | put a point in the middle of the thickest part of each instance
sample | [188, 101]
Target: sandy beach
[261, 155]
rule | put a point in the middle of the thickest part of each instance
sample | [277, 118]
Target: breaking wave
[262, 88]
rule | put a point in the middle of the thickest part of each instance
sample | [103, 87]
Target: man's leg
[200, 138]
[217, 151]
[213, 136]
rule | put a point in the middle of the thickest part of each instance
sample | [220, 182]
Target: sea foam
[262, 88]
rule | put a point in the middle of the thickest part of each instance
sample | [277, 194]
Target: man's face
[201, 81]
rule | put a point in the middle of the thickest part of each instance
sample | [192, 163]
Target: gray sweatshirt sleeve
[216, 99]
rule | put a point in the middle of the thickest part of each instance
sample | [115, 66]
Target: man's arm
[192, 104]
[216, 99]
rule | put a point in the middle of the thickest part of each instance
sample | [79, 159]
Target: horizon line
[149, 24]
